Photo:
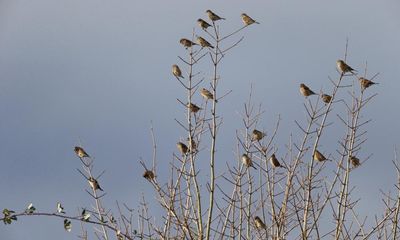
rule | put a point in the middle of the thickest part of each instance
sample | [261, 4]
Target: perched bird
[248, 20]
[355, 161]
[176, 71]
[365, 83]
[187, 43]
[149, 175]
[203, 43]
[182, 148]
[80, 152]
[85, 216]
[213, 17]
[246, 160]
[326, 98]
[318, 156]
[343, 67]
[259, 223]
[94, 184]
[60, 208]
[274, 161]
[203, 24]
[207, 94]
[306, 91]
[193, 107]
[257, 135]
[67, 225]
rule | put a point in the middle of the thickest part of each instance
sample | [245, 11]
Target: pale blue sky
[99, 71]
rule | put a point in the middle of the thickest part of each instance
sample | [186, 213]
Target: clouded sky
[98, 72]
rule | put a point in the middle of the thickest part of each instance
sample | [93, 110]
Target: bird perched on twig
[274, 161]
[259, 223]
[176, 71]
[343, 67]
[187, 43]
[94, 184]
[193, 107]
[203, 24]
[355, 161]
[326, 98]
[257, 135]
[207, 94]
[246, 160]
[365, 83]
[204, 43]
[183, 149]
[81, 152]
[248, 20]
[213, 17]
[318, 156]
[306, 91]
[149, 175]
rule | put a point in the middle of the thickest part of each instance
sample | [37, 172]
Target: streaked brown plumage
[259, 223]
[365, 83]
[319, 156]
[207, 94]
[149, 175]
[193, 107]
[326, 98]
[343, 67]
[355, 161]
[306, 91]
[274, 161]
[81, 152]
[94, 184]
[182, 147]
[248, 20]
[204, 43]
[213, 17]
[203, 24]
[257, 135]
[246, 160]
[176, 71]
[187, 43]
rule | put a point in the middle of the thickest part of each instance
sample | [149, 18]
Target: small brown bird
[326, 98]
[213, 17]
[365, 83]
[187, 43]
[80, 152]
[257, 135]
[182, 148]
[94, 184]
[203, 24]
[259, 223]
[149, 175]
[355, 161]
[318, 156]
[306, 91]
[248, 20]
[193, 107]
[274, 161]
[176, 71]
[343, 67]
[246, 160]
[207, 94]
[204, 43]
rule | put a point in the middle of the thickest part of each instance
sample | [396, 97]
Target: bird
[193, 107]
[306, 91]
[207, 94]
[318, 156]
[60, 208]
[176, 71]
[257, 135]
[81, 152]
[355, 161]
[365, 83]
[203, 24]
[182, 148]
[149, 175]
[343, 67]
[274, 161]
[94, 184]
[246, 160]
[213, 17]
[248, 20]
[259, 223]
[204, 43]
[187, 43]
[326, 98]
[67, 225]
[85, 216]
